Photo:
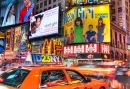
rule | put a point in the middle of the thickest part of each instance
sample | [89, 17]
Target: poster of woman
[9, 17]
[100, 30]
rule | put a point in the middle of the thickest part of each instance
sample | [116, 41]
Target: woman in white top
[9, 18]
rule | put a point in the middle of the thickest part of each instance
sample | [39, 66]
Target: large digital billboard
[87, 24]
[15, 11]
[45, 23]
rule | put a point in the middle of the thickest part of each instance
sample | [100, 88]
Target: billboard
[45, 23]
[15, 11]
[87, 24]
[17, 38]
[24, 36]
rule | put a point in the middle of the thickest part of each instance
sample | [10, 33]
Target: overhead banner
[87, 24]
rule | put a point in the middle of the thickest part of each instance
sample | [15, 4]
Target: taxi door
[77, 80]
[55, 79]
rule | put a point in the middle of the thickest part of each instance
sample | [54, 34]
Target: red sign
[8, 39]
[59, 48]
[88, 48]
[104, 48]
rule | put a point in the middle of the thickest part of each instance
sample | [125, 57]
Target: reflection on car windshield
[13, 77]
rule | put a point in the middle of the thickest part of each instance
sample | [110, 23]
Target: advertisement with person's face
[15, 12]
[87, 24]
[45, 23]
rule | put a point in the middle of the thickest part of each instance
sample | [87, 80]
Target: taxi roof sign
[42, 59]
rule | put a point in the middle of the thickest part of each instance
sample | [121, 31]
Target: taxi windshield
[13, 77]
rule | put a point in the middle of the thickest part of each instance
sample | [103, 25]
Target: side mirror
[88, 79]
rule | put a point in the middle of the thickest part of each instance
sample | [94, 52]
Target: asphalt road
[120, 82]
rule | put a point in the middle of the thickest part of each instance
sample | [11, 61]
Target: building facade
[118, 43]
[119, 23]
[43, 5]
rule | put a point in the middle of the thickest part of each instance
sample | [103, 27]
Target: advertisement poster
[17, 38]
[14, 12]
[8, 39]
[24, 38]
[46, 59]
[2, 42]
[45, 23]
[87, 24]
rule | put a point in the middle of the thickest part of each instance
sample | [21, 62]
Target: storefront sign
[88, 48]
[93, 56]
[46, 59]
[104, 48]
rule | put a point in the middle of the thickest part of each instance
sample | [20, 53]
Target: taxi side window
[75, 77]
[52, 78]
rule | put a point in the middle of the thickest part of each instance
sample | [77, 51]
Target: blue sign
[2, 45]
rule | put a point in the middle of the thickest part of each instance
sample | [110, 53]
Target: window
[54, 0]
[120, 38]
[126, 10]
[49, 7]
[59, 4]
[120, 9]
[54, 6]
[113, 11]
[120, 24]
[75, 77]
[113, 3]
[119, 17]
[127, 18]
[113, 18]
[52, 78]
[45, 2]
[49, 1]
[126, 4]
[40, 11]
[14, 77]
[37, 7]
[41, 4]
[45, 9]
[119, 2]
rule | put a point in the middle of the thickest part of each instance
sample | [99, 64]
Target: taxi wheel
[102, 88]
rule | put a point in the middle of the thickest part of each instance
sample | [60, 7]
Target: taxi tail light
[1, 80]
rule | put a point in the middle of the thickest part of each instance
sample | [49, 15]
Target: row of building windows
[119, 18]
[119, 2]
[49, 1]
[114, 11]
[41, 6]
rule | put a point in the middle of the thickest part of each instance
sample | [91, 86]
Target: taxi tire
[102, 87]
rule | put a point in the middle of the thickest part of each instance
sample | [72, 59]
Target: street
[120, 82]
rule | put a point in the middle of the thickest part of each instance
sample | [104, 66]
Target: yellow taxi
[47, 77]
